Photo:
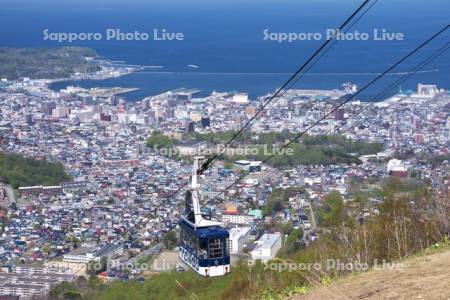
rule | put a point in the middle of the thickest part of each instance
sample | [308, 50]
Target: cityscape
[115, 184]
[117, 180]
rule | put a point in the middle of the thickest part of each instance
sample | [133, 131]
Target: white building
[86, 254]
[429, 90]
[31, 283]
[237, 219]
[126, 118]
[80, 255]
[239, 236]
[397, 167]
[312, 180]
[60, 112]
[23, 291]
[240, 98]
[267, 247]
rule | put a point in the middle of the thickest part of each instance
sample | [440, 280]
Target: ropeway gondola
[204, 244]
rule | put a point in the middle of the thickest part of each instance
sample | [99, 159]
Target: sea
[238, 45]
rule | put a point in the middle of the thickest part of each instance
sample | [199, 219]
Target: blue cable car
[204, 244]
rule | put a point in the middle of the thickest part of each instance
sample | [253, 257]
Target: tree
[159, 140]
[47, 249]
[64, 290]
[284, 228]
[22, 171]
[292, 243]
[333, 209]
[228, 165]
[45, 62]
[97, 267]
[72, 295]
[170, 240]
[442, 208]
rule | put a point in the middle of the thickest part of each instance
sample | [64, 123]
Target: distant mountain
[47, 63]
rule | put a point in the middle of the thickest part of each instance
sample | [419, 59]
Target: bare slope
[426, 277]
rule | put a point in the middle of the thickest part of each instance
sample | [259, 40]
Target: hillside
[424, 277]
[45, 63]
[19, 171]
[311, 150]
[392, 234]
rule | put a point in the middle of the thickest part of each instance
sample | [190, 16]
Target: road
[156, 249]
[306, 233]
[9, 193]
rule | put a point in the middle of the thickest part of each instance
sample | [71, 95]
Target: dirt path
[426, 277]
